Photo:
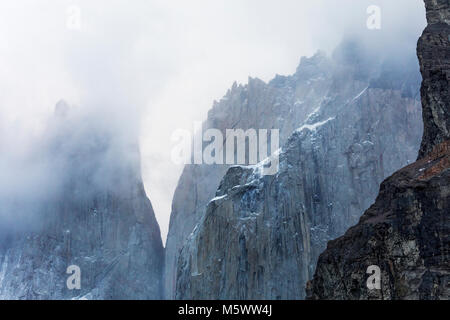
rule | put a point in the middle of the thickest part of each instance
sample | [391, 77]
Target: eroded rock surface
[97, 217]
[433, 51]
[281, 104]
[260, 236]
[406, 233]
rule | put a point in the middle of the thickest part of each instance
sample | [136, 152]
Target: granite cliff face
[282, 104]
[260, 236]
[433, 51]
[98, 218]
[406, 233]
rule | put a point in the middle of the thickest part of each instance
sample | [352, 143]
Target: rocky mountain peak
[438, 11]
[405, 234]
[433, 50]
[61, 109]
[259, 237]
[95, 217]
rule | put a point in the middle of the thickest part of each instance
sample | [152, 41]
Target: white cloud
[163, 62]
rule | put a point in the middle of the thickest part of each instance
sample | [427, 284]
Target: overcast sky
[163, 61]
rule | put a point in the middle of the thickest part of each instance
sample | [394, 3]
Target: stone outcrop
[98, 218]
[260, 236]
[281, 104]
[433, 51]
[406, 233]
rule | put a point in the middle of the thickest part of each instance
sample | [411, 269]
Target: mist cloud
[146, 68]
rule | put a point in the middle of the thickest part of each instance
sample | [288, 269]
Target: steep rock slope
[260, 236]
[406, 233]
[282, 104]
[97, 218]
[433, 51]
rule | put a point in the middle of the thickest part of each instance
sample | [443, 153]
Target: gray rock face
[406, 232]
[433, 51]
[98, 218]
[282, 104]
[260, 236]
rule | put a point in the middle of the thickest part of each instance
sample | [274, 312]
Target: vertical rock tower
[97, 217]
[346, 126]
[406, 233]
